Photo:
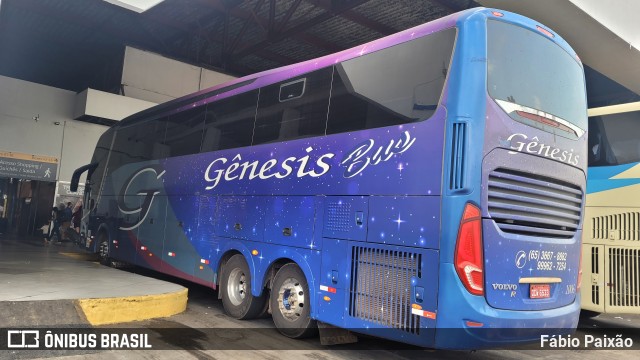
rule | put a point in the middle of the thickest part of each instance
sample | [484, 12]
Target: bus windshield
[535, 81]
[614, 139]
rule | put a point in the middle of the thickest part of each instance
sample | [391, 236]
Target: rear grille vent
[624, 277]
[459, 147]
[381, 287]
[624, 226]
[533, 205]
[595, 269]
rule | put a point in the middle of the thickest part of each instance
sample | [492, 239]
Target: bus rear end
[611, 238]
[514, 185]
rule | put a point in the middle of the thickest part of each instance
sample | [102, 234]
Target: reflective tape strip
[204, 261]
[424, 313]
[328, 288]
[172, 254]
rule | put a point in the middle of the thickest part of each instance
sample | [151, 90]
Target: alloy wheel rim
[291, 299]
[237, 286]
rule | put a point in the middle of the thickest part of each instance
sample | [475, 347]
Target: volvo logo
[146, 195]
[505, 287]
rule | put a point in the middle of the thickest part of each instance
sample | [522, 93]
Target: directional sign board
[28, 166]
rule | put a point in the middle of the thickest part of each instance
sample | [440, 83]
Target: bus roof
[258, 80]
[255, 81]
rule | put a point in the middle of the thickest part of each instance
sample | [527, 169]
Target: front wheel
[291, 303]
[237, 300]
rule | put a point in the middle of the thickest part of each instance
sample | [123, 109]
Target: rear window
[529, 72]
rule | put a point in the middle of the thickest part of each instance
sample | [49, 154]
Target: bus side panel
[122, 243]
[168, 242]
[290, 221]
[203, 241]
[151, 232]
[345, 217]
[241, 217]
[333, 282]
[178, 251]
[404, 220]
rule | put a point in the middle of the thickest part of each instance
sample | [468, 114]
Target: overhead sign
[28, 166]
[64, 189]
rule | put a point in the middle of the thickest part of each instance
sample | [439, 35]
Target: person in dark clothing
[65, 220]
[55, 225]
[77, 216]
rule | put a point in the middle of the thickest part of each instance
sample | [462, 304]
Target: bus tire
[103, 249]
[290, 303]
[237, 300]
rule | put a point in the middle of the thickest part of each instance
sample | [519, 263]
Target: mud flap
[332, 335]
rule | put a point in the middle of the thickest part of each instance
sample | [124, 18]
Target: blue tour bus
[426, 181]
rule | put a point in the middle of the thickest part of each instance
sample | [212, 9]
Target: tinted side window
[229, 122]
[613, 139]
[100, 155]
[392, 86]
[184, 132]
[138, 142]
[293, 109]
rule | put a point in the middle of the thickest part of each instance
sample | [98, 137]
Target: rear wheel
[237, 300]
[290, 302]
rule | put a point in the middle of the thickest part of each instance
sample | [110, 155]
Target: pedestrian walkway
[32, 273]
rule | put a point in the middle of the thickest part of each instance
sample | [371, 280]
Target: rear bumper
[500, 328]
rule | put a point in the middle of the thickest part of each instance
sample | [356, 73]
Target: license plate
[540, 291]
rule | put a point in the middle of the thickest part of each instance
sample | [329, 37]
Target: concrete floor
[256, 339]
[60, 284]
[30, 270]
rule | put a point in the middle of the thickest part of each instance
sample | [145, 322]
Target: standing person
[65, 220]
[77, 216]
[55, 225]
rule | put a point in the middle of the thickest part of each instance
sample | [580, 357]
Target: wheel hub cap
[291, 299]
[237, 286]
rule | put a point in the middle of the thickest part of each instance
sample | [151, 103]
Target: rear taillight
[468, 257]
[580, 270]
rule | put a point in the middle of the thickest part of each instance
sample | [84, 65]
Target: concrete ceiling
[598, 46]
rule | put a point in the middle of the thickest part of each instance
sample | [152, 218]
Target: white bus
[611, 237]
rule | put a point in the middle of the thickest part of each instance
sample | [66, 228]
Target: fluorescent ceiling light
[138, 6]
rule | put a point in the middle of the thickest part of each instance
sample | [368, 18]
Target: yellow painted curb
[133, 308]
